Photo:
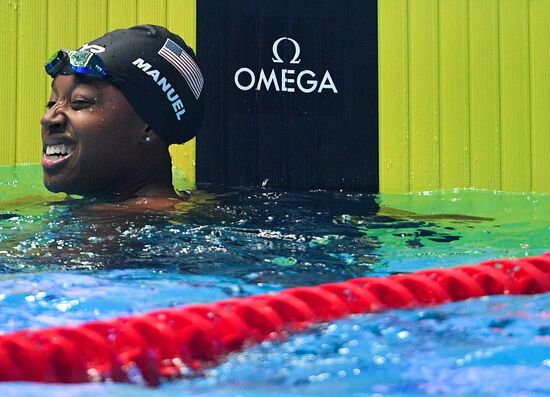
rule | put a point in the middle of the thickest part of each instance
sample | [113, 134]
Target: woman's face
[92, 138]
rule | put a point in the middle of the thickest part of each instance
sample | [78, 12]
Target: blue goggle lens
[80, 62]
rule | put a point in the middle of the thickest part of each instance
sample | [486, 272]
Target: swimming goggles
[80, 62]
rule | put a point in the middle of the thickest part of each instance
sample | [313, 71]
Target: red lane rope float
[165, 344]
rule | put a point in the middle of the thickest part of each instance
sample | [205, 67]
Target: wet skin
[94, 144]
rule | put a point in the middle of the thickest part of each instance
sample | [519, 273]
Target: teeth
[60, 150]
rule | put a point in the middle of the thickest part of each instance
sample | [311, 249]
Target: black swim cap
[158, 74]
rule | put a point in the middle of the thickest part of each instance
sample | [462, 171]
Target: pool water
[63, 262]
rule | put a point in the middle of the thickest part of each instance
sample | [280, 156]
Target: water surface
[62, 262]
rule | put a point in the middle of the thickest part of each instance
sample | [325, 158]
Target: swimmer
[116, 105]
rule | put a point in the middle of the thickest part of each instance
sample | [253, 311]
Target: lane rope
[170, 343]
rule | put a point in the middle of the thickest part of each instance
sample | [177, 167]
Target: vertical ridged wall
[31, 30]
[464, 84]
[464, 94]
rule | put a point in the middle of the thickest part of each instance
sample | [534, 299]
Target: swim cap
[158, 74]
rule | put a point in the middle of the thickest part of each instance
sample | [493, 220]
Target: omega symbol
[277, 59]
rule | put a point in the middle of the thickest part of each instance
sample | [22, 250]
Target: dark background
[296, 140]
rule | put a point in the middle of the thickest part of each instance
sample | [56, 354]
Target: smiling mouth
[56, 155]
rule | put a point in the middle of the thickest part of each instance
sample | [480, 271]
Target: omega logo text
[285, 80]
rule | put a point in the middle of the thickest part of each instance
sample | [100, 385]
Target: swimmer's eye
[78, 104]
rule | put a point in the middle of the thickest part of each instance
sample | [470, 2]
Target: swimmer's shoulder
[152, 200]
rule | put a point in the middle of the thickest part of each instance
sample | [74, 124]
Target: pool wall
[464, 88]
[464, 94]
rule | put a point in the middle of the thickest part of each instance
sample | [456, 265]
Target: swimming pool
[64, 264]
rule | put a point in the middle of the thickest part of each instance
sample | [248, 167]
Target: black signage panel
[291, 93]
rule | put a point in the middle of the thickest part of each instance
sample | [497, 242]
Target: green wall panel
[479, 93]
[539, 40]
[454, 91]
[121, 14]
[393, 75]
[424, 94]
[514, 95]
[484, 94]
[8, 81]
[31, 89]
[91, 20]
[151, 11]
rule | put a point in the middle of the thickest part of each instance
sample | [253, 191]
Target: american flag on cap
[183, 62]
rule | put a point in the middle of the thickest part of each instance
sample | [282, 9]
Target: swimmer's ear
[149, 135]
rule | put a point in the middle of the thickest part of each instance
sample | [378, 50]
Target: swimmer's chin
[52, 187]
[58, 187]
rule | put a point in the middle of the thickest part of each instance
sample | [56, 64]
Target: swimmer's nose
[53, 120]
